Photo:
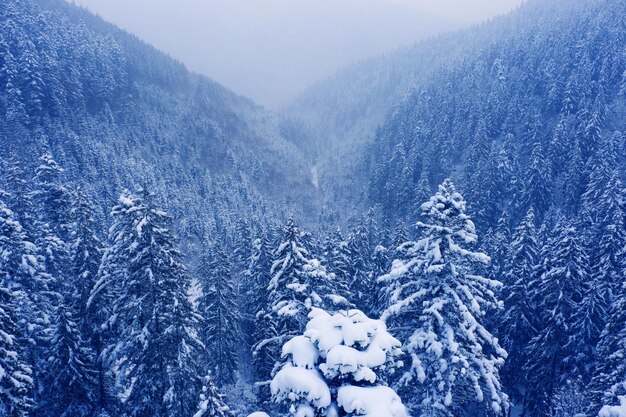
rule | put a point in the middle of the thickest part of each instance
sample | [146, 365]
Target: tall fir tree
[557, 297]
[518, 324]
[16, 383]
[220, 312]
[70, 377]
[537, 193]
[263, 357]
[436, 304]
[606, 384]
[156, 349]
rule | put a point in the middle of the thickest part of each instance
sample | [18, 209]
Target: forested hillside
[532, 133]
[116, 113]
[436, 233]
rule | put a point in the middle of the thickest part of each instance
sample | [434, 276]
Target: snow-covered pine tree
[519, 316]
[19, 195]
[220, 313]
[609, 237]
[497, 244]
[338, 367]
[16, 383]
[241, 257]
[156, 350]
[537, 191]
[263, 358]
[336, 256]
[211, 402]
[70, 387]
[557, 298]
[53, 207]
[86, 251]
[436, 304]
[605, 386]
[18, 274]
[52, 197]
[19, 261]
[297, 284]
[380, 265]
[361, 283]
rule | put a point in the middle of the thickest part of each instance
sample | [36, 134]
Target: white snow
[295, 383]
[303, 352]
[337, 350]
[377, 401]
[614, 410]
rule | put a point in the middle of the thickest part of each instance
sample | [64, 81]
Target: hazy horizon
[271, 50]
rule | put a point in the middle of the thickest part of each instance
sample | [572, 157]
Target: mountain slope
[117, 113]
[552, 95]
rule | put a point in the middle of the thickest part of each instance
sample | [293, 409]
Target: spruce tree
[218, 307]
[297, 283]
[155, 349]
[263, 357]
[436, 304]
[70, 377]
[16, 383]
[558, 297]
[605, 386]
[537, 190]
[518, 325]
[211, 402]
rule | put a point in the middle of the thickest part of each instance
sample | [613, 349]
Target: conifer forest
[436, 232]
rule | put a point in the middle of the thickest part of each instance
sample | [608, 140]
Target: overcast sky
[270, 50]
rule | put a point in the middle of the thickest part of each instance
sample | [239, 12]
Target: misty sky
[270, 50]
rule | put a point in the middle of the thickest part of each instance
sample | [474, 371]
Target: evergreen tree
[337, 258]
[361, 282]
[609, 237]
[610, 367]
[25, 306]
[156, 349]
[241, 258]
[519, 322]
[70, 379]
[380, 265]
[86, 254]
[436, 303]
[211, 402]
[297, 284]
[19, 197]
[52, 197]
[263, 358]
[558, 297]
[218, 307]
[16, 383]
[18, 271]
[537, 191]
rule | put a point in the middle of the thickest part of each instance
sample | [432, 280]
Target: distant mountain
[543, 74]
[116, 113]
[271, 51]
[521, 123]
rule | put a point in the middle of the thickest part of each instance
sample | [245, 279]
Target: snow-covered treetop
[351, 344]
[337, 364]
[442, 252]
[615, 410]
[48, 169]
